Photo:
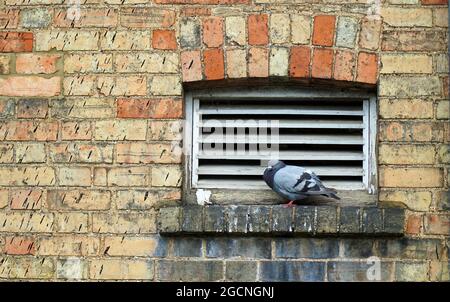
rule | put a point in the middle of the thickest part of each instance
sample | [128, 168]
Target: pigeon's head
[275, 164]
[269, 172]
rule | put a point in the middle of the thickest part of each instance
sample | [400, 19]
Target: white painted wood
[281, 109]
[366, 143]
[195, 138]
[282, 155]
[372, 168]
[258, 170]
[298, 139]
[296, 124]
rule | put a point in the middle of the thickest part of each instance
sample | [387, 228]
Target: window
[234, 132]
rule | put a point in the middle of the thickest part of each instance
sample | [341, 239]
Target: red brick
[324, 28]
[195, 11]
[322, 63]
[29, 131]
[344, 65]
[164, 39]
[191, 66]
[166, 108]
[32, 108]
[258, 29]
[214, 66]
[434, 2]
[133, 108]
[258, 62]
[34, 63]
[26, 199]
[299, 61]
[30, 86]
[213, 31]
[414, 224]
[20, 246]
[367, 68]
[149, 108]
[16, 42]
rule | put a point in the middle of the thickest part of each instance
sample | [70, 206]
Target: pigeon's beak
[269, 167]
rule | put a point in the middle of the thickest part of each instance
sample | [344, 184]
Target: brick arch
[282, 45]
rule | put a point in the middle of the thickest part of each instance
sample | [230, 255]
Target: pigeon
[295, 183]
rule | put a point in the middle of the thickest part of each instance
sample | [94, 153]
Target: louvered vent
[234, 137]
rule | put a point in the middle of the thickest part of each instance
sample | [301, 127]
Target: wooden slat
[279, 109]
[257, 170]
[260, 184]
[296, 124]
[284, 139]
[283, 155]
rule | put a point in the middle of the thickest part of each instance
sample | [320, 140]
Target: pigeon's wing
[300, 181]
[291, 179]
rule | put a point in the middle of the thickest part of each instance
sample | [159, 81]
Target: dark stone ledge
[280, 221]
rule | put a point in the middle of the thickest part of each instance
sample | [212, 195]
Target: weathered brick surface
[91, 125]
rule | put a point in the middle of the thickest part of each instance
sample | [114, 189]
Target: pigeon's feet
[290, 204]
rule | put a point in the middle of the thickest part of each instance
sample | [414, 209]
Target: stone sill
[280, 221]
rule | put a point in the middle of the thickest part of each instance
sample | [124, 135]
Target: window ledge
[280, 221]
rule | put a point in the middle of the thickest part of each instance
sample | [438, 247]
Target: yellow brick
[406, 63]
[75, 176]
[66, 40]
[130, 223]
[72, 222]
[79, 85]
[405, 108]
[125, 40]
[3, 198]
[147, 153]
[85, 108]
[78, 199]
[406, 17]
[26, 222]
[165, 130]
[96, 62]
[443, 110]
[130, 246]
[123, 85]
[68, 246]
[167, 176]
[120, 130]
[166, 85]
[27, 267]
[406, 154]
[30, 153]
[122, 269]
[410, 177]
[6, 153]
[144, 199]
[27, 176]
[155, 62]
[441, 17]
[414, 200]
[129, 177]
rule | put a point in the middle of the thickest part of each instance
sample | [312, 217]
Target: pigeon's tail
[331, 193]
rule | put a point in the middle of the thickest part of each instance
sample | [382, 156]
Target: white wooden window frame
[192, 98]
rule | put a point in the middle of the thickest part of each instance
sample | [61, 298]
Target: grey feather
[295, 183]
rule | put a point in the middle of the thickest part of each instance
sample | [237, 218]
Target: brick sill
[279, 221]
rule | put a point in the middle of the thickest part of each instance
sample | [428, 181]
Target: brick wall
[90, 109]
